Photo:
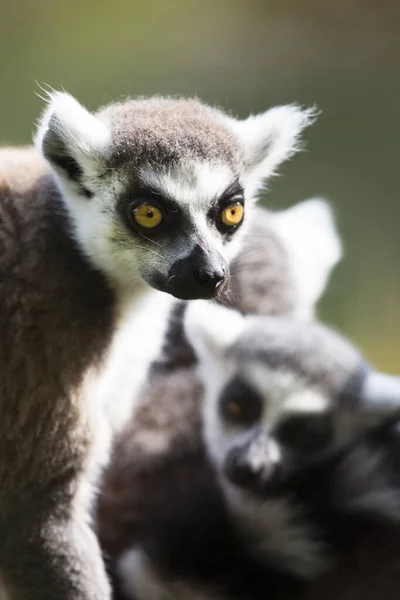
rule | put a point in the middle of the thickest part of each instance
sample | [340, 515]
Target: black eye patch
[233, 197]
[140, 196]
[240, 404]
[306, 433]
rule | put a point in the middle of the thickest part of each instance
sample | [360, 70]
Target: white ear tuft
[69, 136]
[211, 328]
[272, 137]
[311, 240]
[381, 393]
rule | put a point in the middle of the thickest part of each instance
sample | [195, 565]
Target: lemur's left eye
[147, 215]
[232, 214]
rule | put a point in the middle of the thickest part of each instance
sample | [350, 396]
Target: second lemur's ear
[211, 329]
[312, 243]
[380, 393]
[270, 138]
[71, 138]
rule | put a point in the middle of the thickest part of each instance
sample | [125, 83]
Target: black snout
[238, 469]
[196, 276]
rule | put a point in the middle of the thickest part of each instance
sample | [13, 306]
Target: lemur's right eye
[306, 433]
[240, 404]
[232, 214]
[147, 216]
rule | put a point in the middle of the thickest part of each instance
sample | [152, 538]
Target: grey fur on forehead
[310, 350]
[163, 131]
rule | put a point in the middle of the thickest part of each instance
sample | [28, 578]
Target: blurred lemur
[142, 193]
[283, 269]
[293, 468]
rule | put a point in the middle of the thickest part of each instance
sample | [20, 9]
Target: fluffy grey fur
[165, 131]
[72, 265]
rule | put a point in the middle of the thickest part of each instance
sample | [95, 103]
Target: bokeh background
[343, 55]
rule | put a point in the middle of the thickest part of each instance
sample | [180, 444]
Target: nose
[196, 276]
[209, 278]
[255, 465]
[238, 470]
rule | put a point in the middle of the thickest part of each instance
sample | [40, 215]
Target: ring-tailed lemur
[290, 426]
[143, 192]
[282, 269]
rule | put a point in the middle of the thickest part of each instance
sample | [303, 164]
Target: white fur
[194, 186]
[85, 135]
[128, 362]
[86, 139]
[95, 230]
[269, 139]
[381, 393]
[95, 428]
[307, 400]
[313, 247]
[261, 447]
[212, 328]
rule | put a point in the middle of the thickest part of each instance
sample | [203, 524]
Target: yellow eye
[232, 214]
[147, 216]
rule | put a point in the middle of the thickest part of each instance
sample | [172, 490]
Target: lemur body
[80, 231]
[295, 479]
[47, 426]
[296, 424]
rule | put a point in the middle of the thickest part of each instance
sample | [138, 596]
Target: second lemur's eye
[147, 216]
[232, 214]
[240, 404]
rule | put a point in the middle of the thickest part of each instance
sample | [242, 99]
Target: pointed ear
[309, 235]
[270, 138]
[71, 138]
[380, 393]
[211, 329]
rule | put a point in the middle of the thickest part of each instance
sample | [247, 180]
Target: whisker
[149, 250]
[150, 240]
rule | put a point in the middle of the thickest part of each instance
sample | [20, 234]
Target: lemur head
[158, 188]
[280, 393]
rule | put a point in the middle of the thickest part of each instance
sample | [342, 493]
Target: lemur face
[280, 394]
[161, 189]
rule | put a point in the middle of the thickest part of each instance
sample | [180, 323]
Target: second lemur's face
[160, 189]
[280, 394]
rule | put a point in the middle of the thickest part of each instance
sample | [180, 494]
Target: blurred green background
[343, 55]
